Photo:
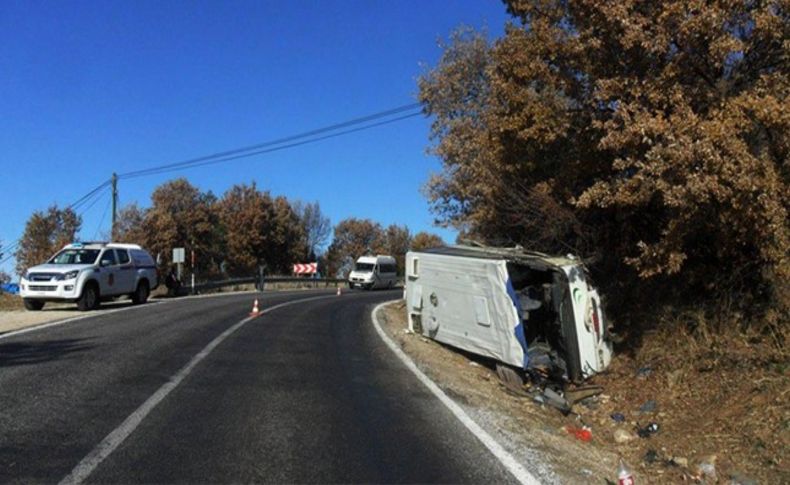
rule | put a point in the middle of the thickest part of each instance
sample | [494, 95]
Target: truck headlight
[68, 276]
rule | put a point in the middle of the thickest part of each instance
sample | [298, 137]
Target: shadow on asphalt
[107, 305]
[28, 353]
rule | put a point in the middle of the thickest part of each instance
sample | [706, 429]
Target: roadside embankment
[721, 413]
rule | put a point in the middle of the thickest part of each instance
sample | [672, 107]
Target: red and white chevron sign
[306, 268]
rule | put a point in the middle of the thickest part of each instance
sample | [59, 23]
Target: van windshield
[364, 267]
[75, 256]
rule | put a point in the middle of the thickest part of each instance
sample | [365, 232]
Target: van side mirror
[105, 262]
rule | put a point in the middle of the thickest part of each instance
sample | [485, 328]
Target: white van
[371, 272]
[525, 309]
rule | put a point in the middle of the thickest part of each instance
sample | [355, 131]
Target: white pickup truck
[87, 273]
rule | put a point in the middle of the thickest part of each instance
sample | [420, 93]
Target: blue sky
[88, 88]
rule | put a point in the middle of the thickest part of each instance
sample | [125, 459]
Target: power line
[153, 171]
[84, 198]
[74, 205]
[101, 221]
[10, 248]
[89, 199]
[236, 153]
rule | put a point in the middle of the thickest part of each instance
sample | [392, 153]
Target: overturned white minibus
[521, 308]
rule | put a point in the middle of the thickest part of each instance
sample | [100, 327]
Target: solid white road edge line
[42, 326]
[92, 460]
[499, 452]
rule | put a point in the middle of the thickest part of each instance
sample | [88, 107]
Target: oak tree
[425, 240]
[353, 238]
[651, 136]
[182, 216]
[46, 232]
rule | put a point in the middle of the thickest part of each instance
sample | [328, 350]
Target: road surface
[306, 392]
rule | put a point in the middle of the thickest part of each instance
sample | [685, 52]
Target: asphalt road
[304, 393]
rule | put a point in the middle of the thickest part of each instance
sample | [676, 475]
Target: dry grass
[721, 389]
[10, 302]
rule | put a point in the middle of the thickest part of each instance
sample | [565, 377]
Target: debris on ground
[651, 456]
[556, 399]
[648, 407]
[623, 436]
[624, 474]
[648, 430]
[737, 478]
[706, 469]
[730, 400]
[583, 434]
[644, 372]
[579, 394]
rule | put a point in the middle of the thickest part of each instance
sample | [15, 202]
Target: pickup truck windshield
[364, 267]
[75, 256]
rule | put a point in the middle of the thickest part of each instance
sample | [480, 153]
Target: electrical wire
[8, 250]
[89, 199]
[82, 200]
[193, 164]
[279, 141]
[101, 221]
[87, 206]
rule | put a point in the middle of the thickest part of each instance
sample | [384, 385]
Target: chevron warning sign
[305, 268]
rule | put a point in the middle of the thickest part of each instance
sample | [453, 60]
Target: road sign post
[178, 259]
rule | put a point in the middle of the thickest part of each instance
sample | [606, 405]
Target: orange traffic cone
[255, 312]
[338, 291]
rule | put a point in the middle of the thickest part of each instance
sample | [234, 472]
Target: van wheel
[140, 295]
[33, 305]
[511, 379]
[89, 300]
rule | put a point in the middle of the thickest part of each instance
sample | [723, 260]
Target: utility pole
[114, 181]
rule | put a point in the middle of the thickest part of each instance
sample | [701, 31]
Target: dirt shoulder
[13, 315]
[700, 417]
[534, 435]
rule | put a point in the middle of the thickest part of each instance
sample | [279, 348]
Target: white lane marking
[100, 313]
[500, 453]
[88, 464]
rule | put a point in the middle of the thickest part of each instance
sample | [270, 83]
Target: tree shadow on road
[28, 353]
[72, 307]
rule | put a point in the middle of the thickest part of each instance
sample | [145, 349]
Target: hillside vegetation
[651, 138]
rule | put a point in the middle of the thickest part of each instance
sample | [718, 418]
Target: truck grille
[42, 288]
[42, 276]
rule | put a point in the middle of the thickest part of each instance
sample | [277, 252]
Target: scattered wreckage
[534, 314]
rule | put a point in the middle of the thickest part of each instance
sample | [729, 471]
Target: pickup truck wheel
[33, 305]
[89, 300]
[140, 296]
